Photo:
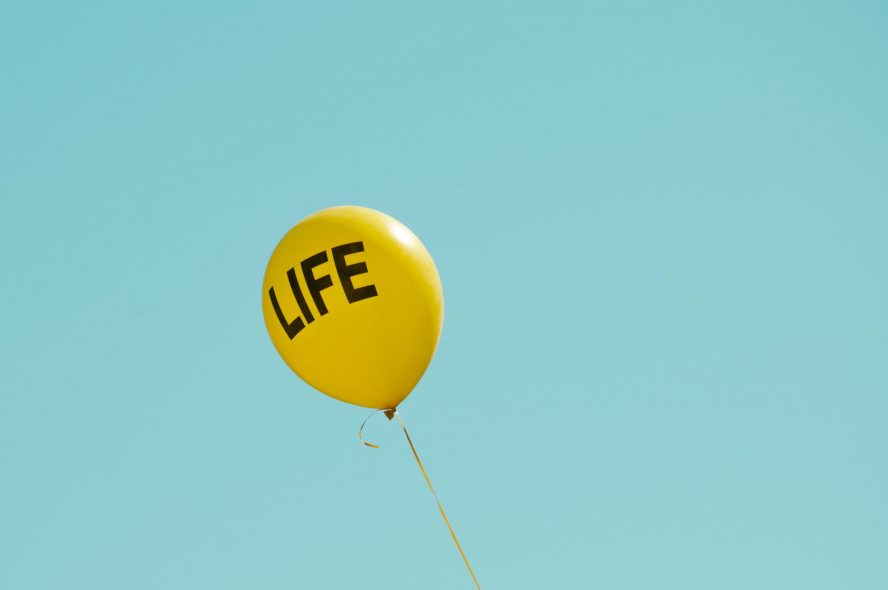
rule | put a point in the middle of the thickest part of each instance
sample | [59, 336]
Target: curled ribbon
[388, 414]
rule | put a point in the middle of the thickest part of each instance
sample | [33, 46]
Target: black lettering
[347, 271]
[291, 328]
[300, 298]
[316, 284]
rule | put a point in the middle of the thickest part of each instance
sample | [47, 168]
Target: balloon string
[393, 412]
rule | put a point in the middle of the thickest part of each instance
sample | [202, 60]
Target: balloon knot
[390, 413]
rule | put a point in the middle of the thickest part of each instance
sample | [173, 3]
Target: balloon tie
[393, 413]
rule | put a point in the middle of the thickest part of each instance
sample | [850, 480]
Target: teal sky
[661, 231]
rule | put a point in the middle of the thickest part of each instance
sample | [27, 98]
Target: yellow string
[440, 508]
[390, 414]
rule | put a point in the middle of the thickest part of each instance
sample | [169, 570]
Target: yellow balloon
[353, 304]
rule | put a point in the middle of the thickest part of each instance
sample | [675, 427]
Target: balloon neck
[390, 413]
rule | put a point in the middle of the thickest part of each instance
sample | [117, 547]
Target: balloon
[353, 304]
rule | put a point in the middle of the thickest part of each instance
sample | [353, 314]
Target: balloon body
[353, 303]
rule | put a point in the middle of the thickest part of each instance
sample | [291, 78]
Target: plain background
[661, 230]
